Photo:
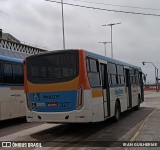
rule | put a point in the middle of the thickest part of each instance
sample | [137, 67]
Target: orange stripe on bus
[83, 77]
[53, 87]
[97, 93]
[17, 88]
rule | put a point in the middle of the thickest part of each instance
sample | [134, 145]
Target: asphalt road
[80, 135]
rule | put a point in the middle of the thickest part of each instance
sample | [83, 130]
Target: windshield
[52, 67]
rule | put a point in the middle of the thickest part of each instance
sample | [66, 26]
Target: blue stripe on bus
[97, 56]
[62, 101]
[10, 86]
[11, 59]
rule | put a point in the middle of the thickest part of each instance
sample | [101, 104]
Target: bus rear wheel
[117, 112]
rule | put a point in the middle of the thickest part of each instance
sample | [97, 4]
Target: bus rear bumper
[59, 117]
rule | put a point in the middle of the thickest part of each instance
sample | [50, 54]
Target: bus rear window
[52, 67]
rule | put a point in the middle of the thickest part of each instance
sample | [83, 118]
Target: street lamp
[104, 45]
[111, 24]
[156, 73]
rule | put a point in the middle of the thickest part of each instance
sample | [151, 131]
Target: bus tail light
[80, 97]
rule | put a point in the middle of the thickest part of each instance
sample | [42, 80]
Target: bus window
[120, 72]
[93, 65]
[7, 69]
[132, 74]
[87, 64]
[137, 76]
[53, 68]
[112, 74]
[103, 76]
[93, 73]
[17, 74]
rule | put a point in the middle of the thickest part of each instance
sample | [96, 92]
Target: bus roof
[13, 56]
[111, 60]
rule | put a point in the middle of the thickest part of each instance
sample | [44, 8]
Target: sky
[136, 39]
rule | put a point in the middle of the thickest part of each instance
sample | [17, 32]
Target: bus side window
[94, 65]
[137, 76]
[87, 64]
[120, 72]
[7, 70]
[112, 74]
[103, 76]
[93, 72]
[132, 74]
[17, 74]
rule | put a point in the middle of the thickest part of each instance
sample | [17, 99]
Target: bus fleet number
[63, 104]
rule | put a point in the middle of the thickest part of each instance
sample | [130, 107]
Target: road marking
[134, 137]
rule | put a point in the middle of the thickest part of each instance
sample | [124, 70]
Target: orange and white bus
[77, 86]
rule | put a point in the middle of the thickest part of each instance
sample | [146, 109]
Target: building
[8, 37]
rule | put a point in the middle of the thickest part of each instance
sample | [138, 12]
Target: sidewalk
[149, 129]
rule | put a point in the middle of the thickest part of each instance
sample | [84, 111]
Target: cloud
[3, 14]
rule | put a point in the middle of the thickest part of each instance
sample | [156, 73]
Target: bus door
[129, 89]
[106, 91]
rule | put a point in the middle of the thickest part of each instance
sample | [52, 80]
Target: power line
[103, 9]
[117, 5]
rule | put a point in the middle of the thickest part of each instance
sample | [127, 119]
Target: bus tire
[139, 102]
[117, 112]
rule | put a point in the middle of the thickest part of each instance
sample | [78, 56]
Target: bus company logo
[6, 144]
[119, 92]
[51, 96]
[36, 97]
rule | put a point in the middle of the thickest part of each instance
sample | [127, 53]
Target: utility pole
[111, 24]
[104, 46]
[62, 22]
[63, 25]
